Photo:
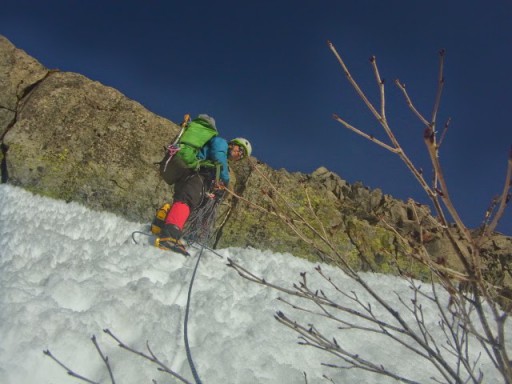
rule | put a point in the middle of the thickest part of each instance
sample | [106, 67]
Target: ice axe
[183, 126]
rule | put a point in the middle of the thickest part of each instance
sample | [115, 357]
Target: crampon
[171, 244]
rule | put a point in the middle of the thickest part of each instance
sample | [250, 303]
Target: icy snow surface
[67, 273]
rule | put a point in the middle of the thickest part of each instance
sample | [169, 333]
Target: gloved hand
[219, 189]
[219, 193]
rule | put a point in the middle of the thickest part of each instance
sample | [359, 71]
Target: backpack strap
[211, 164]
[217, 172]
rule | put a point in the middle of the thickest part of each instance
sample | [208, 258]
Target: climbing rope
[199, 227]
[199, 231]
[199, 234]
[185, 331]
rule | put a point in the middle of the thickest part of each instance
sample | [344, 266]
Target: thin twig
[104, 358]
[151, 357]
[68, 370]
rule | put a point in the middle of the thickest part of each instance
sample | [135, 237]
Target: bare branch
[68, 370]
[440, 86]
[504, 198]
[104, 358]
[365, 135]
[151, 357]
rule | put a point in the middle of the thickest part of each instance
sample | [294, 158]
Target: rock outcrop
[75, 139]
[72, 138]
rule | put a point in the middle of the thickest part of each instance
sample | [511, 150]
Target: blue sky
[264, 71]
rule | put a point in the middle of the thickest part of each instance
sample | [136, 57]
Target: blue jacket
[216, 150]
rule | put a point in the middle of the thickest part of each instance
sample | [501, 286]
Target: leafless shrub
[148, 356]
[473, 313]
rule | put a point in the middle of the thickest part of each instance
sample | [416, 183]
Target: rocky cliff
[68, 137]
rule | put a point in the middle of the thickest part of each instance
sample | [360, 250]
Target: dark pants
[190, 190]
[189, 185]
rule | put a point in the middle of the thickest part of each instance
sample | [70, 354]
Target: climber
[198, 165]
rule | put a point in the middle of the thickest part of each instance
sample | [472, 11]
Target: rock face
[75, 139]
[68, 137]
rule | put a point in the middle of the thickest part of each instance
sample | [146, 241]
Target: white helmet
[244, 143]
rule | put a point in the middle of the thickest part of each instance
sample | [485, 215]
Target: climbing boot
[159, 220]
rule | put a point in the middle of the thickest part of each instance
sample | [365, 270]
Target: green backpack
[181, 155]
[198, 132]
